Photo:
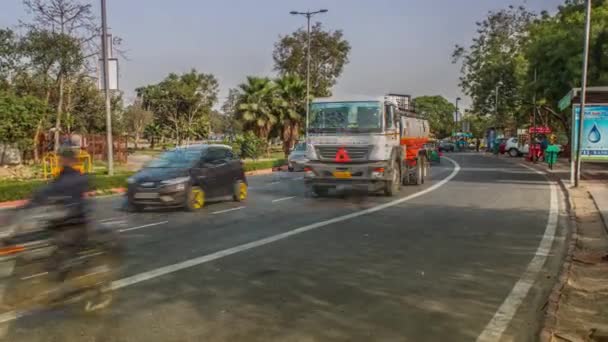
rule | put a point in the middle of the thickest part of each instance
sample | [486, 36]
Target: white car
[297, 158]
[514, 149]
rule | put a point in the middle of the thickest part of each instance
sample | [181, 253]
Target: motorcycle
[28, 249]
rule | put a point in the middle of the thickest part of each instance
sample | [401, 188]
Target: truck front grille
[356, 153]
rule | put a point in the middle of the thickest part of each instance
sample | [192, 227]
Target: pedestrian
[477, 143]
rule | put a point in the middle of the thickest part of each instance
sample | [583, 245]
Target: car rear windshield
[178, 158]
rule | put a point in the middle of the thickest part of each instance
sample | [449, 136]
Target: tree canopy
[439, 112]
[329, 55]
[182, 103]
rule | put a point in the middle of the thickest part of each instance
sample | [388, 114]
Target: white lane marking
[503, 316]
[273, 183]
[297, 178]
[114, 218]
[138, 278]
[283, 199]
[227, 210]
[143, 226]
[5, 273]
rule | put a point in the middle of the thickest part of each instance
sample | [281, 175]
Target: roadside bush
[247, 146]
[263, 164]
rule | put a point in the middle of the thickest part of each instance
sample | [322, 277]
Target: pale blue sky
[397, 45]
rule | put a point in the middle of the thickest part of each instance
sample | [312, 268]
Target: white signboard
[113, 71]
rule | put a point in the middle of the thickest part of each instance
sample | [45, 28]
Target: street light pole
[106, 85]
[577, 170]
[456, 116]
[308, 15]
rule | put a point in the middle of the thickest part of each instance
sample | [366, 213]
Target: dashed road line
[143, 226]
[283, 199]
[227, 210]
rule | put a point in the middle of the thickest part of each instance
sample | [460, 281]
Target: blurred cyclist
[67, 191]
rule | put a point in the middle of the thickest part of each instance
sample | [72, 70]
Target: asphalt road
[456, 259]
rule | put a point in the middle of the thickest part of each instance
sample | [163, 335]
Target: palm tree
[290, 104]
[255, 105]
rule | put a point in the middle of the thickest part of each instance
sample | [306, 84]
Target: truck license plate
[146, 195]
[342, 174]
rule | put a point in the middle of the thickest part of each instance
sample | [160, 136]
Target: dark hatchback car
[188, 177]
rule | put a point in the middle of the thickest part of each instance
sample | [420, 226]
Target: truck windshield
[331, 117]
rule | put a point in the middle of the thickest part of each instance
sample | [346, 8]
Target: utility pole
[106, 85]
[533, 134]
[308, 15]
[577, 170]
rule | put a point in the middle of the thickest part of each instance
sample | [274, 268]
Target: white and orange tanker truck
[371, 144]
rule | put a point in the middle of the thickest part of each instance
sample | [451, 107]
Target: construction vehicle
[369, 144]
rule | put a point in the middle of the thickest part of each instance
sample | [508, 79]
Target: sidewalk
[577, 309]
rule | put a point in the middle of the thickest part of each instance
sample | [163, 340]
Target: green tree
[18, 119]
[153, 132]
[8, 56]
[439, 112]
[329, 55]
[229, 110]
[182, 102]
[495, 64]
[136, 120]
[554, 50]
[290, 105]
[256, 106]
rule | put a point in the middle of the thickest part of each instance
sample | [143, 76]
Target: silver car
[297, 158]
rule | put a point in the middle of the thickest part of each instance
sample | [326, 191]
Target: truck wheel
[419, 171]
[392, 187]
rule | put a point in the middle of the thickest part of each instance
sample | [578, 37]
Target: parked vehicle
[297, 158]
[371, 144]
[446, 146]
[188, 177]
[514, 149]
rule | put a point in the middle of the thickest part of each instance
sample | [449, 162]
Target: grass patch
[16, 190]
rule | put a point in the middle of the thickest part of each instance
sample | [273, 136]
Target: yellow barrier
[51, 168]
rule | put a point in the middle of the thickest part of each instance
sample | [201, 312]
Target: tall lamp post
[106, 85]
[579, 133]
[456, 118]
[308, 15]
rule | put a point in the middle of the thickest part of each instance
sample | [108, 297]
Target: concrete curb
[552, 305]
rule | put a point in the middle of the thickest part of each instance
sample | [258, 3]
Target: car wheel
[319, 191]
[195, 199]
[513, 152]
[290, 168]
[239, 191]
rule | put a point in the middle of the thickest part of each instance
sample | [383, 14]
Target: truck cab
[356, 143]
